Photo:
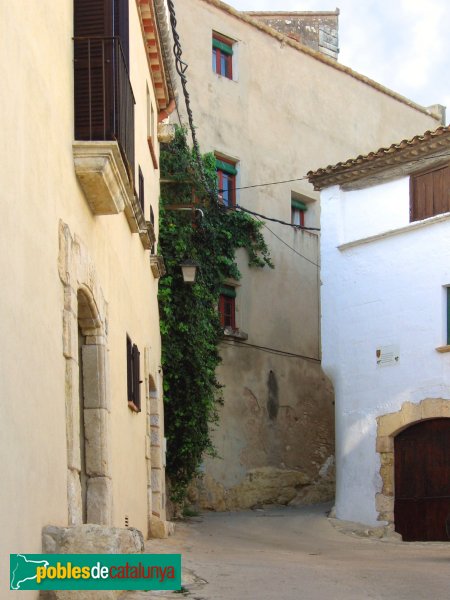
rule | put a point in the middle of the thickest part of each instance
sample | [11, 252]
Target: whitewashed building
[385, 273]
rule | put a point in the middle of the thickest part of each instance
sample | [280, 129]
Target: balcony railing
[104, 100]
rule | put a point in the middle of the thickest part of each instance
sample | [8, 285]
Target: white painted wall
[387, 291]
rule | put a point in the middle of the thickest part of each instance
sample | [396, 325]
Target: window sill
[132, 406]
[443, 349]
[234, 334]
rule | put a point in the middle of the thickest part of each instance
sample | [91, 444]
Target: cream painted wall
[39, 188]
[388, 291]
[284, 114]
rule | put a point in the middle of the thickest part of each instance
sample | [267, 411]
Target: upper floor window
[226, 181]
[222, 55]
[227, 307]
[133, 376]
[298, 210]
[430, 193]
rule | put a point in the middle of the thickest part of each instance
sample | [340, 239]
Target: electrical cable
[181, 68]
[247, 187]
[255, 214]
[286, 244]
[269, 350]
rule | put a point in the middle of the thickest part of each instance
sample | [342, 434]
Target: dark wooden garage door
[422, 481]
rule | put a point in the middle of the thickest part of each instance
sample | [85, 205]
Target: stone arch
[84, 315]
[157, 525]
[389, 426]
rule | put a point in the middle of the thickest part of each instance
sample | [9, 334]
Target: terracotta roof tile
[406, 151]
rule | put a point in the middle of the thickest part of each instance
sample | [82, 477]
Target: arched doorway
[422, 480]
[87, 395]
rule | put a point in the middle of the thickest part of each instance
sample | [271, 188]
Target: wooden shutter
[122, 28]
[430, 193]
[136, 377]
[93, 74]
[129, 370]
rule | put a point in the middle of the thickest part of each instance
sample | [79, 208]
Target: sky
[402, 44]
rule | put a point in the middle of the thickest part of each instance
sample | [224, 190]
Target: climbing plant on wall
[190, 326]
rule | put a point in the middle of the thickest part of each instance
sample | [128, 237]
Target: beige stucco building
[81, 433]
[272, 109]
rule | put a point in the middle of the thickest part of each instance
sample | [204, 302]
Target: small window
[430, 193]
[222, 55]
[298, 210]
[141, 189]
[227, 307]
[133, 376]
[152, 221]
[226, 181]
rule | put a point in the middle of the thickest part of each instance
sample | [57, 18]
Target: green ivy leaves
[189, 320]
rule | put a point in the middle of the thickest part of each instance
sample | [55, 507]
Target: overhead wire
[255, 214]
[287, 245]
[269, 350]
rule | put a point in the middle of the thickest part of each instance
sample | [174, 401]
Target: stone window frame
[388, 426]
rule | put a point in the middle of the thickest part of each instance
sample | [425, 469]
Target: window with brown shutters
[103, 97]
[430, 193]
[133, 376]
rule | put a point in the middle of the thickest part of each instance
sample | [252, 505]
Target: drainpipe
[163, 114]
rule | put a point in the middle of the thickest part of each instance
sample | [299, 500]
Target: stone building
[81, 434]
[386, 332]
[272, 109]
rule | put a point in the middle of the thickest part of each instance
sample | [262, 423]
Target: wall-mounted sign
[387, 356]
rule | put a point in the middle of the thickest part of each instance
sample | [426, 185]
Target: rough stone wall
[278, 443]
[319, 31]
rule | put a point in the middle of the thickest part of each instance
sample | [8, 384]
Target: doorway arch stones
[86, 309]
[389, 426]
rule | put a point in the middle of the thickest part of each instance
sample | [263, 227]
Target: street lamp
[189, 270]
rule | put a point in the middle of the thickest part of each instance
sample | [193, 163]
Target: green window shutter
[448, 316]
[298, 204]
[227, 290]
[226, 167]
[225, 48]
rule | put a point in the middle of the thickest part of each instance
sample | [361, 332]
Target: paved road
[296, 554]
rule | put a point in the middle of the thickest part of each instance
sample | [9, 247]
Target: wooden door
[422, 481]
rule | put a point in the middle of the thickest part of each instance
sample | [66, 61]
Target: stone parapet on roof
[433, 147]
[318, 30]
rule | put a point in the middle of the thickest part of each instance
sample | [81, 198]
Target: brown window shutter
[122, 28]
[93, 82]
[136, 377]
[129, 370]
[430, 193]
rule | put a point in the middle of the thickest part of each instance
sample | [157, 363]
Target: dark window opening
[133, 376]
[141, 189]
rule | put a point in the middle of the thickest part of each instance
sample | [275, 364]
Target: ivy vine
[189, 319]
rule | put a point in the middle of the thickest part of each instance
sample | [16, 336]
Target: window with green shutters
[222, 55]
[226, 181]
[227, 306]
[298, 210]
